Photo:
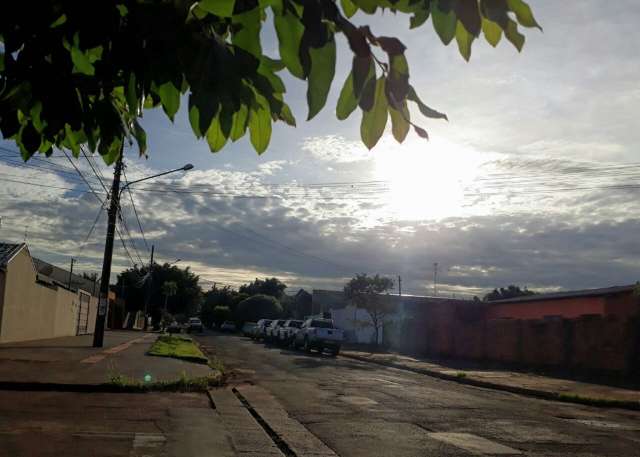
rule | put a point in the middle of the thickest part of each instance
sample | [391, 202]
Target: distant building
[39, 300]
[621, 301]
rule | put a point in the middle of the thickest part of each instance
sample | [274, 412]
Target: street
[360, 409]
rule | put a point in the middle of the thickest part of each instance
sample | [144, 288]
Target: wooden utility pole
[399, 286]
[71, 272]
[147, 297]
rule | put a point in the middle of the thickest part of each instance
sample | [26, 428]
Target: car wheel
[307, 346]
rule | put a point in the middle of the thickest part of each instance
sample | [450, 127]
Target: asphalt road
[360, 409]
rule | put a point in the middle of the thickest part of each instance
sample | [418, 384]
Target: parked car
[195, 325]
[174, 327]
[288, 331]
[261, 326]
[249, 328]
[271, 332]
[319, 334]
[228, 326]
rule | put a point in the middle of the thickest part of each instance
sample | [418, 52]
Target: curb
[542, 394]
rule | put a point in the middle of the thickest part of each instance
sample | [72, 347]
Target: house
[620, 301]
[39, 300]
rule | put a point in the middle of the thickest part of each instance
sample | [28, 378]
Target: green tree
[258, 307]
[132, 285]
[221, 314]
[510, 292]
[169, 289]
[366, 292]
[82, 73]
[266, 286]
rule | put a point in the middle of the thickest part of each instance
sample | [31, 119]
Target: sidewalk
[511, 381]
[73, 361]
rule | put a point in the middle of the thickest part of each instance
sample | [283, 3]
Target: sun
[425, 180]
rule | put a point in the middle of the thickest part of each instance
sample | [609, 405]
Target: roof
[60, 276]
[8, 251]
[568, 294]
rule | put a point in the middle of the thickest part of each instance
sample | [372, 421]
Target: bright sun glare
[426, 181]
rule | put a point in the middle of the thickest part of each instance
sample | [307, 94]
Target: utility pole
[148, 294]
[71, 272]
[435, 279]
[399, 286]
[98, 334]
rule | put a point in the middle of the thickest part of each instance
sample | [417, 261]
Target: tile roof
[7, 251]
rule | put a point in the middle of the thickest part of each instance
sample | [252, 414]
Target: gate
[83, 314]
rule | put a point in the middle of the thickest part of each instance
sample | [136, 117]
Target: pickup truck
[288, 331]
[319, 334]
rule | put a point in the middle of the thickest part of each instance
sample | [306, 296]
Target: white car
[319, 334]
[271, 332]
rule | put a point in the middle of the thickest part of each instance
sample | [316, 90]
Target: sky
[533, 181]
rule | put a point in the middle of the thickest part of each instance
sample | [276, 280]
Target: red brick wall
[503, 340]
[543, 342]
[568, 308]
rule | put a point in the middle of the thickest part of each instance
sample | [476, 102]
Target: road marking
[358, 401]
[473, 443]
[114, 350]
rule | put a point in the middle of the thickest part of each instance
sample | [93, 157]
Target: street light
[116, 191]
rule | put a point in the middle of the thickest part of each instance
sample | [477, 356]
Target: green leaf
[141, 137]
[239, 123]
[424, 109]
[290, 29]
[375, 120]
[419, 18]
[523, 13]
[399, 124]
[215, 136]
[247, 36]
[444, 24]
[347, 102]
[323, 67]
[492, 32]
[363, 70]
[81, 62]
[260, 125]
[123, 10]
[222, 8]
[287, 116]
[348, 7]
[513, 35]
[170, 98]
[464, 40]
[58, 22]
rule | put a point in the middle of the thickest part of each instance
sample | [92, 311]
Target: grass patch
[461, 375]
[607, 402]
[178, 347]
[121, 383]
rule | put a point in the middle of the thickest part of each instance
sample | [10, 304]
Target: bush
[258, 307]
[221, 314]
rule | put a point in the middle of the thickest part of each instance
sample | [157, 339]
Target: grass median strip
[178, 347]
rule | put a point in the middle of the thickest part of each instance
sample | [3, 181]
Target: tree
[169, 289]
[132, 285]
[82, 73]
[258, 307]
[267, 286]
[510, 292]
[221, 314]
[366, 292]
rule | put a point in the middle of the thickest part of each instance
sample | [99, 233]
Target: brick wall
[586, 344]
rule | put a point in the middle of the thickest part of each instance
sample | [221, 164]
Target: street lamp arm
[185, 168]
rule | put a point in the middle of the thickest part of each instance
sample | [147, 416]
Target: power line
[135, 211]
[82, 176]
[95, 172]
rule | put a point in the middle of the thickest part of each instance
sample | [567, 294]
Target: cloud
[336, 149]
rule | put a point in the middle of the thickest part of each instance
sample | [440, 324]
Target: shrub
[258, 307]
